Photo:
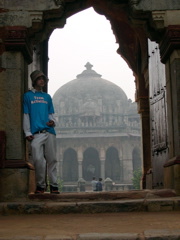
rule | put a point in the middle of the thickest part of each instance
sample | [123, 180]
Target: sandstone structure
[98, 131]
[144, 30]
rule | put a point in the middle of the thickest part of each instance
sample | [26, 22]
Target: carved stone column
[80, 159]
[13, 73]
[59, 160]
[79, 169]
[14, 58]
[102, 162]
[170, 55]
[143, 105]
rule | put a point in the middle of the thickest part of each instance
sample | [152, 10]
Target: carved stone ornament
[134, 2]
[170, 42]
[158, 18]
[36, 17]
[16, 39]
[59, 3]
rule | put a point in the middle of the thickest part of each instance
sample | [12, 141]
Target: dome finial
[88, 72]
[88, 66]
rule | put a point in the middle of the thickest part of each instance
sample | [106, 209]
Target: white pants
[44, 151]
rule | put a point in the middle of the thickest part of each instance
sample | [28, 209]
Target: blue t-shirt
[38, 105]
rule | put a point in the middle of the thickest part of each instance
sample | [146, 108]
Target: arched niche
[112, 165]
[131, 29]
[91, 164]
[128, 26]
[70, 166]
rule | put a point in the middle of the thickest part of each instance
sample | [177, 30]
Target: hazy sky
[87, 37]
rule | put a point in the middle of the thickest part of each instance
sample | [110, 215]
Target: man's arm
[26, 127]
[52, 120]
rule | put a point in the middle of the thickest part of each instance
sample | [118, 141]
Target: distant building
[98, 130]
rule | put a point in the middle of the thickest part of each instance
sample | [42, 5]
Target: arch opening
[70, 166]
[113, 169]
[94, 42]
[91, 164]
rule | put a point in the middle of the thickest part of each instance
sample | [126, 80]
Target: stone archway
[112, 165]
[91, 164]
[70, 166]
[24, 35]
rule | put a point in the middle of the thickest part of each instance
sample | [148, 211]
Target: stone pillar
[79, 169]
[102, 162]
[143, 109]
[59, 161]
[13, 78]
[80, 159]
[170, 56]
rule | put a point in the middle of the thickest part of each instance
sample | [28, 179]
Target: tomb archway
[70, 166]
[91, 164]
[113, 170]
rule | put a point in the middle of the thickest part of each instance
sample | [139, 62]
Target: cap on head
[35, 74]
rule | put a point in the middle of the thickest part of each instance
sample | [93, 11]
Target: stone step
[104, 196]
[153, 234]
[101, 202]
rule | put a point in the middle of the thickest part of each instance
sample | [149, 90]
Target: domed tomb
[98, 129]
[89, 100]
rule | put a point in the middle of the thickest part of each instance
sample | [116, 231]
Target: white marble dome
[90, 95]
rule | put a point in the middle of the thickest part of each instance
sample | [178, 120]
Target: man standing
[99, 185]
[93, 183]
[38, 125]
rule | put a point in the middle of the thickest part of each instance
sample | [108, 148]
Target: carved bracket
[16, 39]
[158, 19]
[170, 42]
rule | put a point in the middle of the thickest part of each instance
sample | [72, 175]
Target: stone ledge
[140, 205]
[104, 196]
[161, 234]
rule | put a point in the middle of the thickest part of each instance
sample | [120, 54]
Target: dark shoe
[39, 190]
[54, 190]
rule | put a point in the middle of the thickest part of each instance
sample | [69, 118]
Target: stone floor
[130, 215]
[102, 226]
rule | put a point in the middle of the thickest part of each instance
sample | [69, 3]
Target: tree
[137, 175]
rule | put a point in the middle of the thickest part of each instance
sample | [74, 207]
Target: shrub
[137, 175]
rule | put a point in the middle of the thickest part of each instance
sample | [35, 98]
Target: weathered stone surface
[28, 5]
[55, 237]
[14, 184]
[164, 234]
[154, 5]
[28, 238]
[51, 207]
[108, 236]
[158, 205]
[106, 196]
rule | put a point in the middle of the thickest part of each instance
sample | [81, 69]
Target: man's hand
[30, 138]
[50, 123]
